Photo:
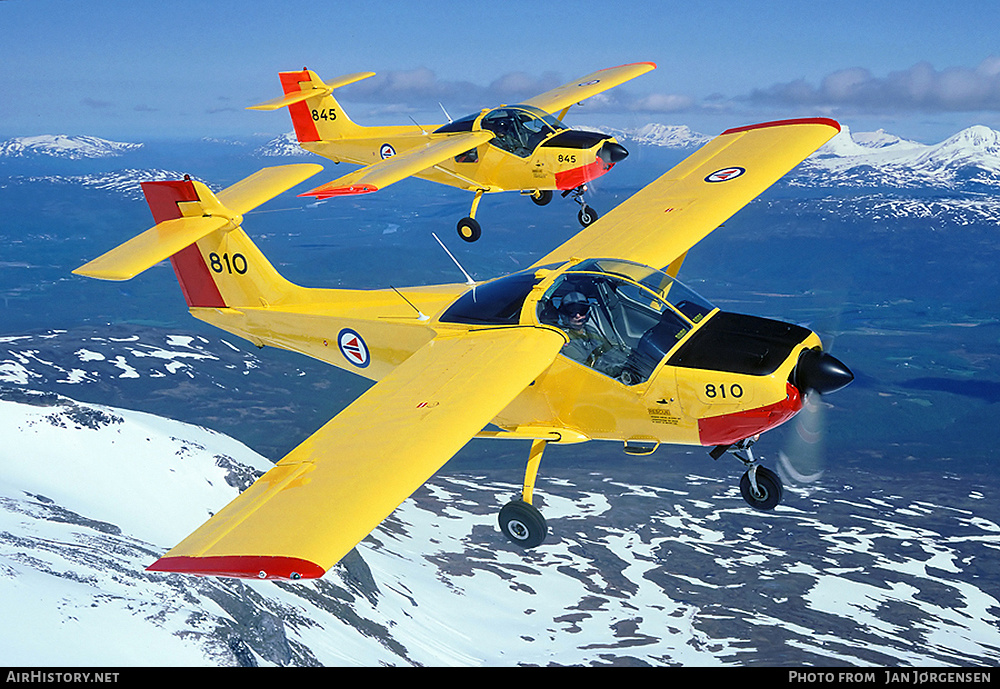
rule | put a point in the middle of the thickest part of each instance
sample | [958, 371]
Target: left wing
[327, 494]
[577, 90]
[400, 166]
[659, 223]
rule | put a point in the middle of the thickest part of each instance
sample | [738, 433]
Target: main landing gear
[520, 521]
[759, 486]
[470, 230]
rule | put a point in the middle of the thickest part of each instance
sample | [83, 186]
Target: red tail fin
[305, 127]
[192, 273]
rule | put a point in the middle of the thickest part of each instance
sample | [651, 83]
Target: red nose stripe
[571, 179]
[730, 428]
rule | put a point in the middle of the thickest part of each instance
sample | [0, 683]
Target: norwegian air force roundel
[725, 174]
[353, 347]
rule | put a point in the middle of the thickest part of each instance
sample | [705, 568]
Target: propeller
[816, 373]
[820, 371]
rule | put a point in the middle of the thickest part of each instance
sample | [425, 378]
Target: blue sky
[133, 70]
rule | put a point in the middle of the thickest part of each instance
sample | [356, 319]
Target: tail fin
[216, 263]
[316, 114]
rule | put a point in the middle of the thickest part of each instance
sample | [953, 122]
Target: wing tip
[351, 190]
[240, 566]
[781, 123]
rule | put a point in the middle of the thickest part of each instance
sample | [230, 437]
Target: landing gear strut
[520, 521]
[759, 486]
[468, 228]
[587, 215]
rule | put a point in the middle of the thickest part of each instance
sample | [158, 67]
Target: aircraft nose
[819, 371]
[612, 152]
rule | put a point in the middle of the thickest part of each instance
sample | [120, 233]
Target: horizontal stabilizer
[149, 248]
[314, 92]
[264, 185]
[192, 220]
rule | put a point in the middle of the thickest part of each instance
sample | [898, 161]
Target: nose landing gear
[587, 215]
[760, 487]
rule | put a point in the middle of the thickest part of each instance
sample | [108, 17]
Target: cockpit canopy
[621, 318]
[518, 129]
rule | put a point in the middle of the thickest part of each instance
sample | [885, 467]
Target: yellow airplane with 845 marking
[598, 340]
[522, 147]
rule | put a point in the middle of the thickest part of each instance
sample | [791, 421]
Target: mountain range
[64, 146]
[851, 159]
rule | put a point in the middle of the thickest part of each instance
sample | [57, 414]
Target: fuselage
[530, 150]
[653, 363]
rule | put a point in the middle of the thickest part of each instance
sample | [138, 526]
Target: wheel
[542, 198]
[587, 216]
[522, 524]
[469, 229]
[770, 489]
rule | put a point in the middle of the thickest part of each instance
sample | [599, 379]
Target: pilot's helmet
[574, 304]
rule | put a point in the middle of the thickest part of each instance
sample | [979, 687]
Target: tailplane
[216, 263]
[316, 114]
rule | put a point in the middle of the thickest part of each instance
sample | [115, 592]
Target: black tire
[522, 524]
[542, 198]
[586, 216]
[469, 229]
[770, 489]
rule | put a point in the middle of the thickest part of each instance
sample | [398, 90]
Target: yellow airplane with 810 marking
[522, 147]
[598, 340]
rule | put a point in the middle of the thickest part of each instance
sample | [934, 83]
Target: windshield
[693, 306]
[519, 129]
[617, 316]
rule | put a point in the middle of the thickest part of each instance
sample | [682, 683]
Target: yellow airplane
[593, 342]
[513, 147]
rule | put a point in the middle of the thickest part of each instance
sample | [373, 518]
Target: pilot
[586, 342]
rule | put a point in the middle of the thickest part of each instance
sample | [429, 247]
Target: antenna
[468, 278]
[420, 314]
[445, 112]
[419, 126]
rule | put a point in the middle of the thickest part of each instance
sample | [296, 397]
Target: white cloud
[921, 87]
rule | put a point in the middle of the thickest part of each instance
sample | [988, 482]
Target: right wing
[562, 97]
[658, 224]
[306, 513]
[400, 166]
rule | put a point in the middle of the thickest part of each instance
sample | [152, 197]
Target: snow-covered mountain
[656, 134]
[63, 146]
[649, 560]
[126, 182]
[878, 159]
[286, 145]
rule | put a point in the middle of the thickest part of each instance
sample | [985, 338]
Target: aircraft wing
[579, 89]
[400, 166]
[327, 494]
[663, 220]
